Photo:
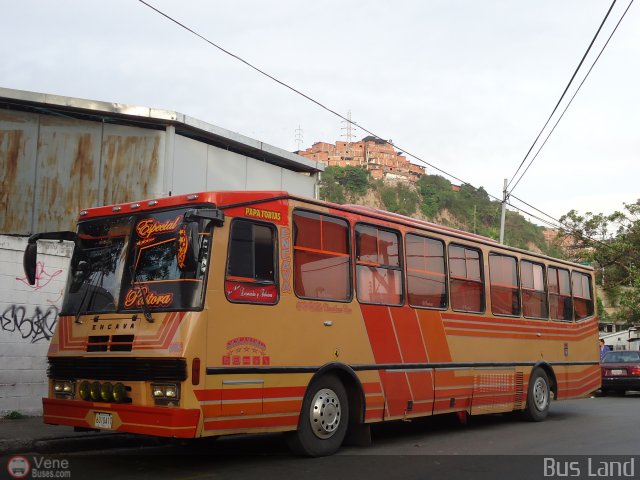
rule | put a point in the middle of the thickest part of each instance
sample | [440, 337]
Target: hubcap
[540, 394]
[325, 413]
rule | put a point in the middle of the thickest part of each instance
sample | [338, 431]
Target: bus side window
[251, 274]
[534, 292]
[582, 296]
[465, 277]
[378, 268]
[426, 274]
[560, 303]
[503, 277]
[321, 258]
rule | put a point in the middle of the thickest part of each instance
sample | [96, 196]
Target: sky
[464, 85]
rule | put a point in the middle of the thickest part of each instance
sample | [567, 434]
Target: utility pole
[504, 209]
[475, 208]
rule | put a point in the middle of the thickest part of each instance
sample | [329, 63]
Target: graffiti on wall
[33, 323]
[35, 327]
[43, 278]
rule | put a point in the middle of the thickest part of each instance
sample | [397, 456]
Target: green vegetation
[399, 199]
[342, 185]
[611, 243]
[434, 198]
[14, 416]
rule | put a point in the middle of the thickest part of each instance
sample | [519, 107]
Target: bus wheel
[323, 419]
[538, 396]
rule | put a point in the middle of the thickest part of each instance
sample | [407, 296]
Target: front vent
[118, 368]
[115, 343]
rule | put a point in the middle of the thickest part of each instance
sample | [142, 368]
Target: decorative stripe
[390, 366]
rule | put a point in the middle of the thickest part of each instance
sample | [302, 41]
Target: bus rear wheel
[538, 396]
[323, 419]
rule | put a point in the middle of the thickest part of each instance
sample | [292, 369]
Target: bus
[220, 313]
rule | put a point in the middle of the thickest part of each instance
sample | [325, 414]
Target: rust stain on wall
[131, 167]
[12, 145]
[68, 164]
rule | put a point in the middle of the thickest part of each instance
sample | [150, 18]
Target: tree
[399, 199]
[612, 244]
[340, 185]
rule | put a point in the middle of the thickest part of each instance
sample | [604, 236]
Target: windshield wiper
[89, 286]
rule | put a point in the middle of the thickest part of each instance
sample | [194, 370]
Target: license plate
[617, 372]
[103, 420]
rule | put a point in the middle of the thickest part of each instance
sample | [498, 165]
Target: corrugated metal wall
[52, 166]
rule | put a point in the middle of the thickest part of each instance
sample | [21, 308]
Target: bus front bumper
[117, 417]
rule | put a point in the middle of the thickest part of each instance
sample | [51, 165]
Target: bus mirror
[29, 262]
[213, 214]
[31, 252]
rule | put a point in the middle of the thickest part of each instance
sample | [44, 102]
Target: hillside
[434, 198]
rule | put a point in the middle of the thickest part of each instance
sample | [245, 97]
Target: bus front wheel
[538, 396]
[323, 419]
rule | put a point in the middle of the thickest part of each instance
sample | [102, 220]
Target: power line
[563, 93]
[298, 92]
[574, 96]
[348, 120]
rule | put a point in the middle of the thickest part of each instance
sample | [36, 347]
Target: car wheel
[323, 420]
[538, 396]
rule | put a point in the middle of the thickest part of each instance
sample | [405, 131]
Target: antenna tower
[299, 137]
[349, 134]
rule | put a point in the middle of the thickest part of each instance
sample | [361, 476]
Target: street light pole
[504, 208]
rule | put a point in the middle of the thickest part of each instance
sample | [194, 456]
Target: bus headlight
[165, 394]
[63, 388]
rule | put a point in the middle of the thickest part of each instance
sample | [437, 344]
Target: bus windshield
[153, 261]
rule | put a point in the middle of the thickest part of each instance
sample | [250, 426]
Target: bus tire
[538, 396]
[323, 419]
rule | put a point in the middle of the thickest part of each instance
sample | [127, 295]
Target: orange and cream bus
[221, 313]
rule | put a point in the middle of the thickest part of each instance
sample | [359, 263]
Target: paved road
[496, 446]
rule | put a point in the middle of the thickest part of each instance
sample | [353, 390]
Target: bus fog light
[119, 392]
[85, 391]
[95, 391]
[57, 387]
[106, 392]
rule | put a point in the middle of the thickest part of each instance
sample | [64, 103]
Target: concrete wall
[28, 316]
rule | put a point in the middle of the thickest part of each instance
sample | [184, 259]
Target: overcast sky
[464, 85]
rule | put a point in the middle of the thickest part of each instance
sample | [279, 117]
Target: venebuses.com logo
[18, 467]
[39, 467]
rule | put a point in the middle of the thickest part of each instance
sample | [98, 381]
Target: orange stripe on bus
[434, 336]
[247, 423]
[282, 406]
[214, 394]
[372, 387]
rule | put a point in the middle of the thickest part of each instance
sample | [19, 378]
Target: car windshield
[152, 261]
[621, 357]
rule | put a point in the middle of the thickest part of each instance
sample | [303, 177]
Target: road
[495, 446]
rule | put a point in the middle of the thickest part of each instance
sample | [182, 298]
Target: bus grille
[107, 368]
